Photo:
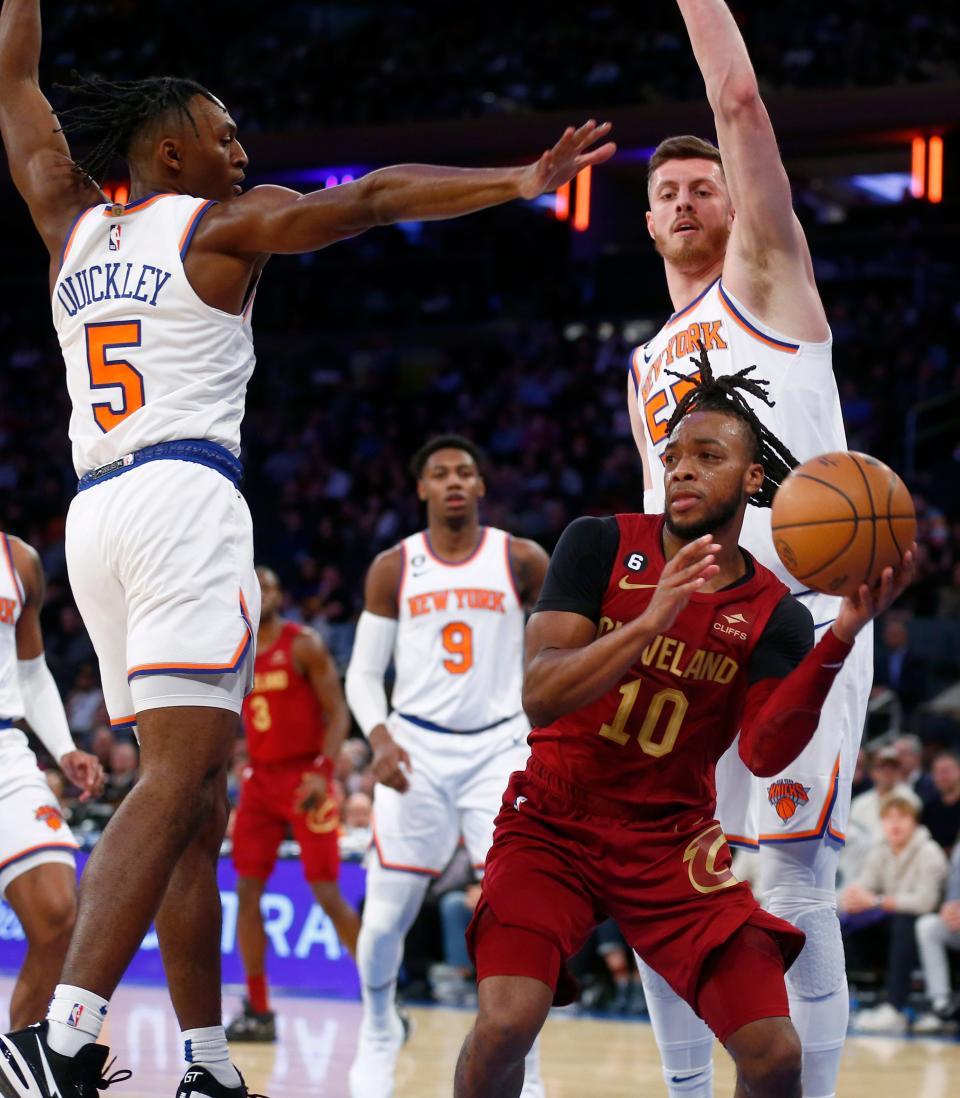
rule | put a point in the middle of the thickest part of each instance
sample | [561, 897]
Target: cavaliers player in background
[655, 639]
[38, 877]
[295, 721]
[152, 303]
[741, 281]
[447, 606]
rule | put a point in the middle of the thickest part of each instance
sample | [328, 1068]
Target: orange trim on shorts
[36, 850]
[122, 722]
[147, 668]
[742, 840]
[817, 831]
[404, 868]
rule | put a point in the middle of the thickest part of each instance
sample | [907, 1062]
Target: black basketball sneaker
[29, 1068]
[197, 1082]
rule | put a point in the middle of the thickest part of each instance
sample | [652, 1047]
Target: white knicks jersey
[459, 647]
[11, 606]
[806, 415]
[147, 360]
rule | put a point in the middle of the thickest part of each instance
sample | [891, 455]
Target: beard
[719, 515]
[694, 251]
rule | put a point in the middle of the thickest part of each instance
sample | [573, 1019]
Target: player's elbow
[739, 99]
[757, 761]
[373, 194]
[536, 705]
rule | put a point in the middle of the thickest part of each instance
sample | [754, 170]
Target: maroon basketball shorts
[267, 809]
[563, 860]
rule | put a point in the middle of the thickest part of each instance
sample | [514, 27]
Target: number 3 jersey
[459, 646]
[147, 360]
[655, 737]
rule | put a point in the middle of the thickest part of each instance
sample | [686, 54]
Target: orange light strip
[562, 208]
[581, 210]
[935, 173]
[918, 167]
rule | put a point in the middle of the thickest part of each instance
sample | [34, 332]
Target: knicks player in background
[295, 721]
[151, 302]
[447, 606]
[636, 688]
[38, 878]
[741, 281]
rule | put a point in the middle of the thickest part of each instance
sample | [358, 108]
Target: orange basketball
[840, 519]
[785, 808]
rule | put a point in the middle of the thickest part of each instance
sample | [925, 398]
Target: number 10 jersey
[459, 646]
[147, 360]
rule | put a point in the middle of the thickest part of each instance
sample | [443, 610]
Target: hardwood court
[604, 1059]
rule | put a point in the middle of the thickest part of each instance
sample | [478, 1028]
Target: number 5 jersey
[147, 360]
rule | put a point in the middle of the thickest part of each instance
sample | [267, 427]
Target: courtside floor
[599, 1058]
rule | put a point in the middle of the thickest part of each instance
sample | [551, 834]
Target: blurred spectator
[618, 958]
[124, 771]
[941, 814]
[84, 705]
[902, 878]
[356, 831]
[101, 744]
[864, 829]
[453, 981]
[937, 933]
[910, 750]
[895, 665]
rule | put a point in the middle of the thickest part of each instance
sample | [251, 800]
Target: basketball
[840, 519]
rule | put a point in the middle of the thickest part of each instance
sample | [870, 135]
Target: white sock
[76, 1018]
[208, 1048]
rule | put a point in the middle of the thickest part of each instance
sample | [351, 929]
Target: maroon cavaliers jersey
[655, 738]
[282, 717]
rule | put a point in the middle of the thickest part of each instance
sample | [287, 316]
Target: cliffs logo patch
[787, 796]
[50, 816]
[734, 625]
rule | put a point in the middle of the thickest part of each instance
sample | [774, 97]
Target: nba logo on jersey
[75, 1011]
[115, 231]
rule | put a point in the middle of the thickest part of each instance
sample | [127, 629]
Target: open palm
[561, 163]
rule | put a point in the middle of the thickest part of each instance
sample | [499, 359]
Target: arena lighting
[117, 191]
[562, 208]
[935, 173]
[918, 167]
[581, 210]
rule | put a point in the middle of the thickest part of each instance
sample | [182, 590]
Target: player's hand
[859, 609]
[950, 913]
[683, 576]
[561, 163]
[391, 763]
[85, 772]
[312, 791]
[856, 899]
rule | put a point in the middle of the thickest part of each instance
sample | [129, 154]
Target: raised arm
[768, 263]
[274, 220]
[39, 158]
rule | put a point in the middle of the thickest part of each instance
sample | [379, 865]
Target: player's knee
[52, 922]
[773, 1070]
[506, 1035]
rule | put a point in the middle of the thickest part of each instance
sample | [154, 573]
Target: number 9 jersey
[459, 646]
[147, 360]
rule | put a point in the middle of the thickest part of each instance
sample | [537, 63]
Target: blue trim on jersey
[690, 304]
[431, 727]
[197, 450]
[753, 328]
[228, 670]
[67, 238]
[140, 201]
[6, 723]
[197, 218]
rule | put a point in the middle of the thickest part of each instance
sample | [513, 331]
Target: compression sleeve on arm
[372, 651]
[43, 708]
[781, 715]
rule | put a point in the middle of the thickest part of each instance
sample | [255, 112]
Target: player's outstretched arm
[568, 666]
[43, 708]
[274, 220]
[40, 163]
[321, 672]
[767, 244]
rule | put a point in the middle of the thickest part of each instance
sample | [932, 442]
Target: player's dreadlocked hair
[113, 113]
[719, 394]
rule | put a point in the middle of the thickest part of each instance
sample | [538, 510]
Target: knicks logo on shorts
[51, 816]
[324, 818]
[701, 856]
[787, 796]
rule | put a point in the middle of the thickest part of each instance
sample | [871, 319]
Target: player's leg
[44, 899]
[478, 802]
[684, 1040]
[345, 920]
[742, 995]
[511, 1011]
[798, 883]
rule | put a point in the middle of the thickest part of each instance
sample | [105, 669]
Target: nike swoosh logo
[686, 1078]
[19, 1071]
[626, 585]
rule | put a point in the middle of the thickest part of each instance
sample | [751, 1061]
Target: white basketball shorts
[32, 828]
[810, 799]
[160, 560]
[456, 786]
